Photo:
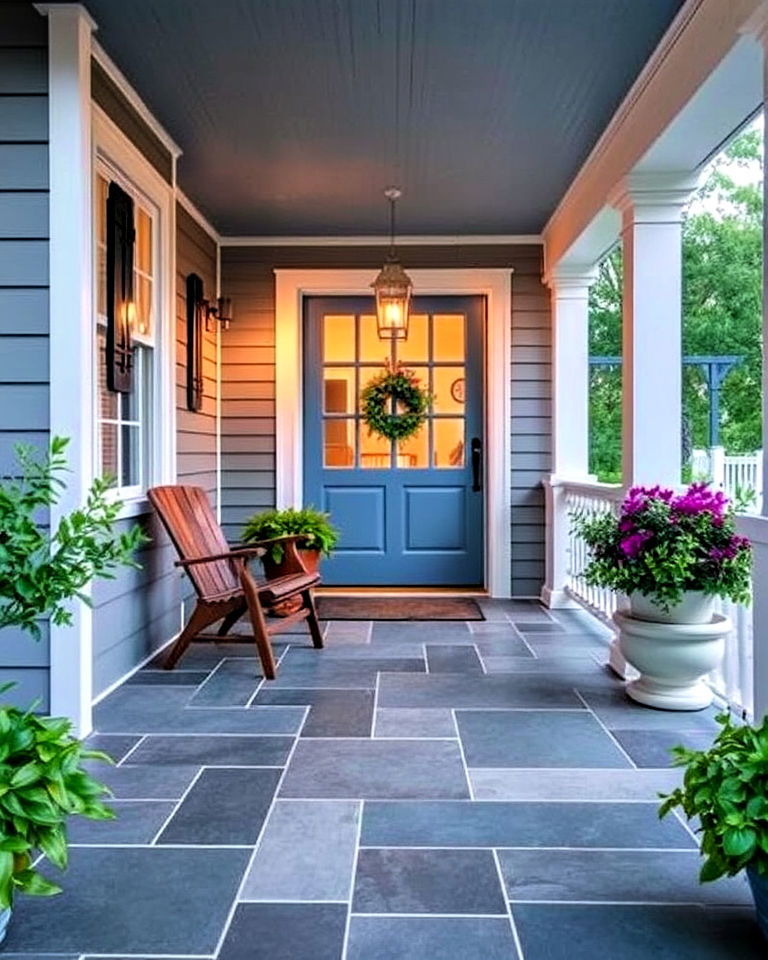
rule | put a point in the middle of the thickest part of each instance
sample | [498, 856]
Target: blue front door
[410, 513]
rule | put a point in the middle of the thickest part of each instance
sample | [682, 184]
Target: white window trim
[291, 286]
[112, 147]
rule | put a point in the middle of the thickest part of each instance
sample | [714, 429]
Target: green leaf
[738, 842]
[35, 885]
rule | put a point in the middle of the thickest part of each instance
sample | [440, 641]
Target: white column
[71, 327]
[570, 415]
[651, 206]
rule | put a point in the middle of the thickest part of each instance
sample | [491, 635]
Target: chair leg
[230, 620]
[312, 622]
[259, 625]
[199, 620]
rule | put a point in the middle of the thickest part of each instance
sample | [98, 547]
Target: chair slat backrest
[187, 516]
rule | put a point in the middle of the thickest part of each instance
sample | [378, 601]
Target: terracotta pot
[311, 561]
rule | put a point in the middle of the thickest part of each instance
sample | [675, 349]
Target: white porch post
[570, 415]
[71, 333]
[651, 206]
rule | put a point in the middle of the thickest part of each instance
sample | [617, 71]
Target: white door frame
[495, 284]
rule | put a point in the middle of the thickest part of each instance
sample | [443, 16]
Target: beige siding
[248, 425]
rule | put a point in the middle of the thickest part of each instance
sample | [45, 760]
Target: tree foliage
[722, 313]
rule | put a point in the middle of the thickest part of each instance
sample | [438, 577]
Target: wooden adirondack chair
[225, 587]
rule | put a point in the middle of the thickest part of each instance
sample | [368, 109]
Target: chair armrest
[239, 553]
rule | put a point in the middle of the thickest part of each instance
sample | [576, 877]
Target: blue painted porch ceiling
[294, 114]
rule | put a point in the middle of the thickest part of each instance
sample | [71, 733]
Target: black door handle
[476, 448]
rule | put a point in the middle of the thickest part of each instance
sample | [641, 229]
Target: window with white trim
[124, 428]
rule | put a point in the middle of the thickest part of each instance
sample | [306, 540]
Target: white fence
[734, 682]
[735, 475]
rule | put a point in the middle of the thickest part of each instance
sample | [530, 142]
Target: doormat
[398, 608]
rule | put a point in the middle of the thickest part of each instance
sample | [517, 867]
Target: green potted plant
[318, 536]
[42, 571]
[672, 554]
[42, 784]
[726, 788]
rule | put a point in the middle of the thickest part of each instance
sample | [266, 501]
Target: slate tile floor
[429, 791]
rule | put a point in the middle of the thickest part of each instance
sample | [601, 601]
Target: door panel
[408, 512]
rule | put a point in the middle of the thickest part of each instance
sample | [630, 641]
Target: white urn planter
[671, 657]
[694, 607]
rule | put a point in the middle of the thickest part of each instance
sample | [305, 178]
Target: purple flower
[730, 550]
[699, 498]
[633, 544]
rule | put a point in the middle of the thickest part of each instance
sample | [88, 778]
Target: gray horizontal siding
[24, 365]
[248, 426]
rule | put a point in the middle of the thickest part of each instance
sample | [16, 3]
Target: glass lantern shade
[393, 295]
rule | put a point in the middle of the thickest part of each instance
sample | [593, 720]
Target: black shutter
[194, 342]
[120, 240]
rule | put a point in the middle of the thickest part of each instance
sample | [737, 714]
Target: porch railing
[734, 681]
[735, 475]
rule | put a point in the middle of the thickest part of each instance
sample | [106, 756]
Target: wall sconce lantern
[392, 286]
[201, 314]
[219, 311]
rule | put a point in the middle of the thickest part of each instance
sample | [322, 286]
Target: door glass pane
[338, 338]
[374, 450]
[448, 387]
[448, 442]
[339, 443]
[339, 389]
[416, 347]
[448, 334]
[413, 453]
[372, 349]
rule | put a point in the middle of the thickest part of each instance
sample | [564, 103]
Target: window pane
[100, 221]
[372, 349]
[339, 443]
[448, 388]
[374, 450]
[143, 241]
[413, 453]
[338, 338]
[448, 335]
[339, 389]
[107, 399]
[143, 300]
[416, 347]
[130, 456]
[108, 451]
[448, 442]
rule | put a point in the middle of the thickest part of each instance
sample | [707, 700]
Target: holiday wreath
[394, 404]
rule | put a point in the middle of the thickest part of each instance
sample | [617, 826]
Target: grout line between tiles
[136, 745]
[175, 810]
[347, 925]
[463, 757]
[605, 728]
[513, 925]
[375, 706]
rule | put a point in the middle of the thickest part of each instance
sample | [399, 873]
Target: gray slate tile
[231, 685]
[286, 931]
[443, 658]
[476, 691]
[536, 738]
[569, 784]
[214, 751]
[131, 886]
[562, 664]
[618, 712]
[583, 932]
[147, 781]
[332, 713]
[335, 673]
[415, 722]
[422, 631]
[502, 645]
[614, 876]
[431, 938]
[362, 769]
[114, 744]
[223, 807]
[427, 881]
[136, 821]
[167, 678]
[651, 748]
[307, 852]
[526, 824]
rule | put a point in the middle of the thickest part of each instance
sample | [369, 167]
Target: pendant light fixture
[392, 286]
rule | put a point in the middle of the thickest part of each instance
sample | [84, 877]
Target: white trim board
[291, 286]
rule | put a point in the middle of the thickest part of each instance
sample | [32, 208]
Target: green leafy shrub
[42, 784]
[726, 787]
[664, 543]
[41, 571]
[313, 526]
